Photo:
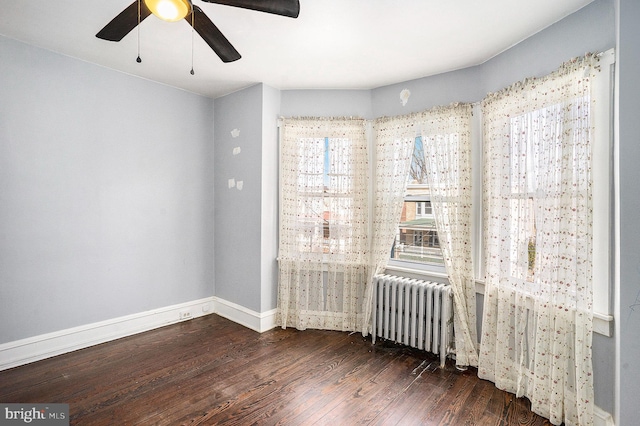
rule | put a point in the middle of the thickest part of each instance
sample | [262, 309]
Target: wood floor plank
[323, 394]
[348, 386]
[263, 377]
[409, 406]
[212, 371]
[294, 388]
[373, 395]
[476, 405]
[214, 385]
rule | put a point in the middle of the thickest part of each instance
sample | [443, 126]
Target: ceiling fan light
[169, 10]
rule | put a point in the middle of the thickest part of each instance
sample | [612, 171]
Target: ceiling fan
[175, 10]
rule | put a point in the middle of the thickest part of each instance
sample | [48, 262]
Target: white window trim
[602, 172]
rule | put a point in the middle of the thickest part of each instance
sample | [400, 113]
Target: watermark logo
[34, 414]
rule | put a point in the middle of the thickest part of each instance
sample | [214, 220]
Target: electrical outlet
[185, 315]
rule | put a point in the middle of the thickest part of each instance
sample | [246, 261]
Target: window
[416, 242]
[310, 187]
[529, 138]
[326, 209]
[423, 209]
[528, 168]
[323, 186]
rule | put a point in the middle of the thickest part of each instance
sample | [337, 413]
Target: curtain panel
[537, 324]
[324, 223]
[394, 144]
[446, 140]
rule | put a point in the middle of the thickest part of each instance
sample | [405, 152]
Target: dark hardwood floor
[211, 371]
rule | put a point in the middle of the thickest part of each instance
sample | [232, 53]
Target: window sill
[423, 273]
[603, 324]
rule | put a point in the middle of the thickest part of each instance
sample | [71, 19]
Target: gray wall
[105, 195]
[238, 259]
[591, 29]
[628, 302]
[270, 206]
[326, 103]
[246, 220]
[442, 89]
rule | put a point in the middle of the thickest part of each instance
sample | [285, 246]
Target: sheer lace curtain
[447, 148]
[394, 144]
[537, 326]
[323, 221]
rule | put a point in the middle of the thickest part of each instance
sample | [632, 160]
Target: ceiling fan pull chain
[138, 60]
[192, 32]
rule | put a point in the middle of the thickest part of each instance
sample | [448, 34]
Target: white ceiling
[333, 44]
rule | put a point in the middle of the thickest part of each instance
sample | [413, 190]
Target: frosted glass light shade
[169, 10]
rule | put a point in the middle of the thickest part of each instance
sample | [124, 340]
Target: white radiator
[413, 312]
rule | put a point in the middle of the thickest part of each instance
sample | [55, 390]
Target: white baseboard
[256, 321]
[24, 351]
[601, 417]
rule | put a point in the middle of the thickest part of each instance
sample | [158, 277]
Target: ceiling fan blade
[212, 35]
[122, 24]
[290, 8]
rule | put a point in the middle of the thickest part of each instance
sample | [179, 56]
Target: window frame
[603, 193]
